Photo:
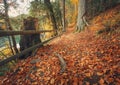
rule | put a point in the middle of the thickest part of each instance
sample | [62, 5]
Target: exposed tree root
[62, 63]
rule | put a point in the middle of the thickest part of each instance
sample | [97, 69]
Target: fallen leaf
[52, 81]
[88, 74]
[101, 81]
[99, 73]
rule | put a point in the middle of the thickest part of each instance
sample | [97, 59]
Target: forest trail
[90, 59]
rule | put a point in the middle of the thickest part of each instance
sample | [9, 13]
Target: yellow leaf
[52, 81]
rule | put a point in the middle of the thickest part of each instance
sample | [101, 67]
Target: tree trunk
[10, 45]
[9, 25]
[49, 7]
[81, 18]
[64, 16]
[60, 20]
[29, 40]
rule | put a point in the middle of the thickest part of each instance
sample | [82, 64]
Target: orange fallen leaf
[101, 81]
[87, 83]
[99, 67]
[88, 74]
[118, 80]
[37, 65]
[99, 73]
[110, 80]
[75, 81]
[35, 83]
[114, 40]
[47, 78]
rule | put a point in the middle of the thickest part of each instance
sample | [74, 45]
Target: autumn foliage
[90, 59]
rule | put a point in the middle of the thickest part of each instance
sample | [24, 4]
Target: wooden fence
[16, 56]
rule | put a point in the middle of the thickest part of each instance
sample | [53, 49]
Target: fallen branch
[62, 62]
[33, 69]
[15, 72]
[34, 52]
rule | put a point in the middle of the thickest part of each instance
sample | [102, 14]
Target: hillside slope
[90, 58]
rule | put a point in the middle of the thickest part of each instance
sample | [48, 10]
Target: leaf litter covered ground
[90, 59]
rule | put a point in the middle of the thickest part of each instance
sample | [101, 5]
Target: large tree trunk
[49, 7]
[81, 18]
[59, 22]
[9, 25]
[30, 40]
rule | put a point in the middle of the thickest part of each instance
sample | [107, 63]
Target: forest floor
[90, 58]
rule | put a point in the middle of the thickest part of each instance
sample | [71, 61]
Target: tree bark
[60, 20]
[10, 45]
[49, 7]
[64, 16]
[81, 18]
[9, 25]
[29, 40]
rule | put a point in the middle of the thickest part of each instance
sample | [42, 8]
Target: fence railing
[28, 32]
[16, 56]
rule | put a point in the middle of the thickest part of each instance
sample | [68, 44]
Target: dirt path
[90, 59]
